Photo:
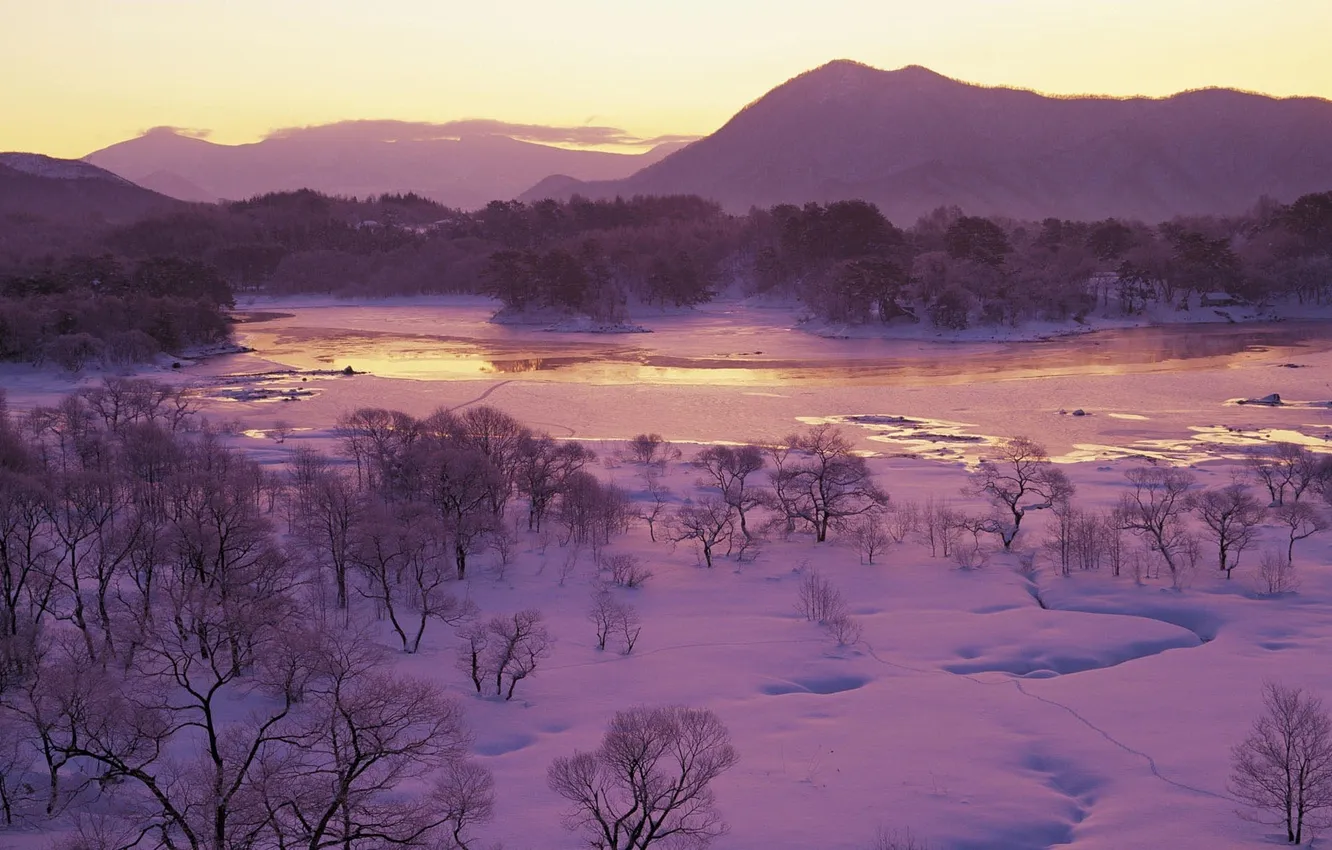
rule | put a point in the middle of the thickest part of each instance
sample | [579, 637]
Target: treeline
[844, 260]
[84, 310]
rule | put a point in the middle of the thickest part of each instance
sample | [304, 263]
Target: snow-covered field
[969, 713]
[984, 707]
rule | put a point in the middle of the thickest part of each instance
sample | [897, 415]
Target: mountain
[174, 186]
[359, 158]
[912, 140]
[70, 191]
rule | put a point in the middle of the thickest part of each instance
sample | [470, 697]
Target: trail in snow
[481, 397]
[1151, 762]
[1017, 682]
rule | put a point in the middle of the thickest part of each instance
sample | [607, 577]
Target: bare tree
[474, 640]
[327, 512]
[629, 626]
[828, 483]
[1155, 511]
[651, 449]
[707, 521]
[382, 444]
[870, 536]
[463, 798]
[1285, 469]
[602, 614]
[613, 617]
[505, 650]
[1083, 539]
[503, 541]
[52, 708]
[818, 599]
[1019, 478]
[16, 759]
[938, 525]
[500, 438]
[280, 431]
[125, 401]
[1060, 537]
[1276, 574]
[902, 520]
[591, 512]
[1231, 516]
[650, 780]
[198, 658]
[970, 553]
[396, 551]
[336, 778]
[26, 578]
[660, 495]
[785, 493]
[543, 468]
[464, 488]
[845, 629]
[728, 468]
[1283, 769]
[627, 571]
[1302, 520]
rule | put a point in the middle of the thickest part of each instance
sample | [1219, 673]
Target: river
[733, 373]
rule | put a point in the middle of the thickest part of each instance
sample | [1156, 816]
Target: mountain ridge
[360, 159]
[912, 140]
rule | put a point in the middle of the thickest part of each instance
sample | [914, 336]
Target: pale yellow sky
[76, 75]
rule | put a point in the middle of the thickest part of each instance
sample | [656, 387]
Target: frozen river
[741, 373]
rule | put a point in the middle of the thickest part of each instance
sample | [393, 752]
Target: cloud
[168, 130]
[422, 131]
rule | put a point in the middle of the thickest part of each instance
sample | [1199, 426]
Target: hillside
[358, 158]
[912, 140]
[38, 187]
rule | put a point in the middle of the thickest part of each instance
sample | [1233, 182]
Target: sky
[77, 75]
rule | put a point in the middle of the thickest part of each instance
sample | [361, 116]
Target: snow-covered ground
[984, 708]
[969, 714]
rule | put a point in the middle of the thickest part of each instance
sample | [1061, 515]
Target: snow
[970, 714]
[983, 709]
[41, 165]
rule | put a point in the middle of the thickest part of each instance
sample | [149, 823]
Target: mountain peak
[912, 140]
[843, 79]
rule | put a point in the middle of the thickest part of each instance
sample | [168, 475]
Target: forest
[125, 292]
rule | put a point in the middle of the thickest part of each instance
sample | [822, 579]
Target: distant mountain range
[359, 158]
[37, 187]
[911, 140]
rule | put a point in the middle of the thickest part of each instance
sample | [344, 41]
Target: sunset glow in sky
[81, 74]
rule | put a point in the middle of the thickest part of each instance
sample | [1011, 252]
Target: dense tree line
[843, 260]
[100, 309]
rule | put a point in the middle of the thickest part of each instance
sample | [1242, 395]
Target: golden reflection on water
[550, 358]
[735, 362]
